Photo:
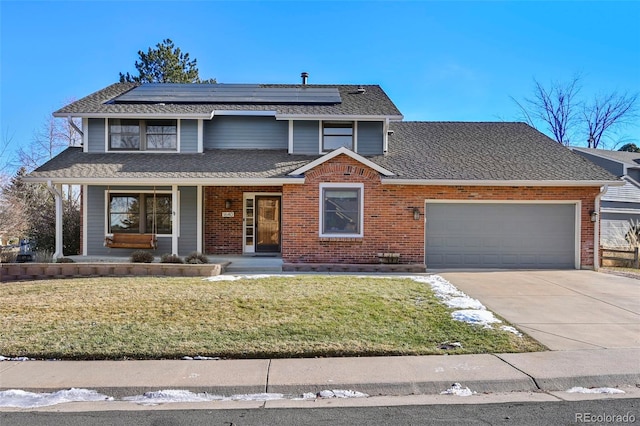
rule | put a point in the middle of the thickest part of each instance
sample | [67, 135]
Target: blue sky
[449, 61]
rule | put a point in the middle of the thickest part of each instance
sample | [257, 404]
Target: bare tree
[606, 112]
[54, 135]
[555, 106]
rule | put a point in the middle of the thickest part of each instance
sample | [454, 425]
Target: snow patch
[17, 358]
[468, 309]
[579, 389]
[457, 390]
[21, 399]
[510, 329]
[177, 395]
[201, 358]
[476, 317]
[244, 277]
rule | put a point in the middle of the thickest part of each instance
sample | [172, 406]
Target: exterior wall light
[227, 204]
[416, 213]
[594, 215]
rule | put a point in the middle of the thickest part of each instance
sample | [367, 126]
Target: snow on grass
[243, 277]
[579, 389]
[468, 309]
[22, 399]
[17, 358]
[457, 390]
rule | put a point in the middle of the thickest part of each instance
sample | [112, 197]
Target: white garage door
[488, 235]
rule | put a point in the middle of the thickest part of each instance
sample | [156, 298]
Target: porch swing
[134, 241]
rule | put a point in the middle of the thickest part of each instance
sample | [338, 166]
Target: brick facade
[223, 235]
[388, 215]
[389, 225]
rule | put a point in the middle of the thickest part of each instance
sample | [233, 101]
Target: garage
[501, 235]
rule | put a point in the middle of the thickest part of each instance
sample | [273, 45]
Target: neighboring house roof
[419, 152]
[371, 101]
[479, 151]
[630, 159]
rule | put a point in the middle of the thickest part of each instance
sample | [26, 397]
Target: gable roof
[482, 152]
[630, 159]
[335, 153]
[373, 101]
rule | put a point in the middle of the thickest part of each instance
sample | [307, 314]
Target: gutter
[169, 181]
[470, 182]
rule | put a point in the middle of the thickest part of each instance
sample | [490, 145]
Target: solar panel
[229, 93]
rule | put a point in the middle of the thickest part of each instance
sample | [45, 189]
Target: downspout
[75, 127]
[596, 229]
[385, 132]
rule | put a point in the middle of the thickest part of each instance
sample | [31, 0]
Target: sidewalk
[541, 371]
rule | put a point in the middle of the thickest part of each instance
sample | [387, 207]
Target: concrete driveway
[564, 310]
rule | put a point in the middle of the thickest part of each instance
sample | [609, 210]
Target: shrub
[43, 256]
[8, 255]
[141, 256]
[171, 258]
[196, 258]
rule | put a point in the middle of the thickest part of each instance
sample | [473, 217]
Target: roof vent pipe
[304, 76]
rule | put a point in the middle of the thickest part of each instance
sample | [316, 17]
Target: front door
[267, 214]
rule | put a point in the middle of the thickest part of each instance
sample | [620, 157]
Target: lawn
[299, 316]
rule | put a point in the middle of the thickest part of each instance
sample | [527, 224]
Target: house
[322, 174]
[620, 205]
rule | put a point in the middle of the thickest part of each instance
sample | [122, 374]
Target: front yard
[276, 317]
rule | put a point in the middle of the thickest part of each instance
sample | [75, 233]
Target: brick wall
[388, 215]
[223, 235]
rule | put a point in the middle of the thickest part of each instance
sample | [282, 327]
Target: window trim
[142, 125]
[348, 186]
[354, 133]
[107, 212]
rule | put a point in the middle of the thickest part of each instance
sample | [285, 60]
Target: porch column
[175, 213]
[56, 190]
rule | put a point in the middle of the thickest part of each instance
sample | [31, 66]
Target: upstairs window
[337, 134]
[142, 135]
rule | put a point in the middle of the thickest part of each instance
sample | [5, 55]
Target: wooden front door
[267, 215]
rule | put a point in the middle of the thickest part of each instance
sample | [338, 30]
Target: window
[126, 211]
[124, 134]
[162, 134]
[336, 135]
[341, 210]
[134, 135]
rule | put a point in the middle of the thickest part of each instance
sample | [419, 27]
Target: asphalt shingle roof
[417, 150]
[482, 151]
[374, 101]
[212, 164]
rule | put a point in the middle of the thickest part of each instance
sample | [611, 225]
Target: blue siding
[189, 136]
[187, 242]
[241, 132]
[306, 137]
[96, 230]
[370, 138]
[95, 135]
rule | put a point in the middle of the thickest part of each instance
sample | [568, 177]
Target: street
[604, 411]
